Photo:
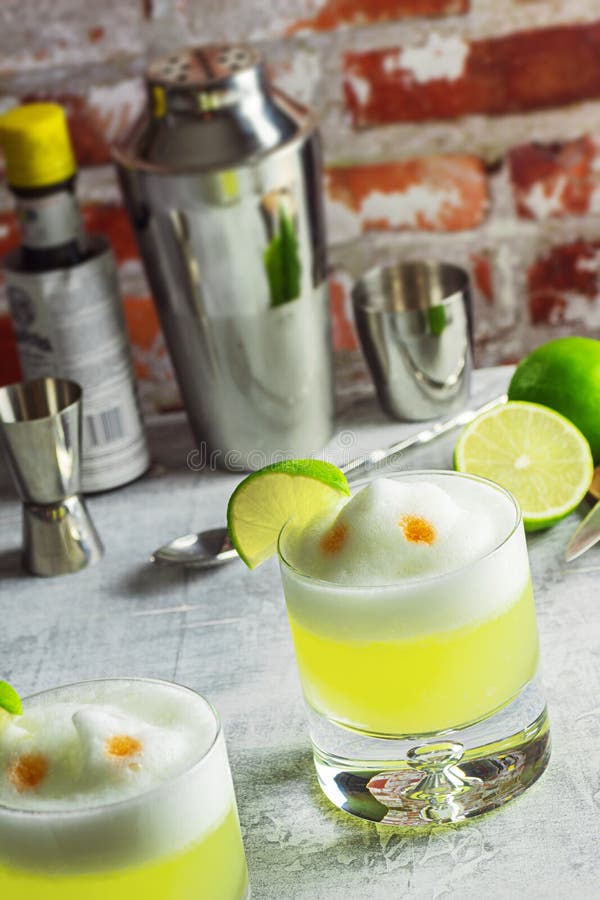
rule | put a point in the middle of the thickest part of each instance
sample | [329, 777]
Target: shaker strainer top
[210, 107]
[205, 67]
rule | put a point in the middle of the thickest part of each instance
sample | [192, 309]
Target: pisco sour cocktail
[118, 788]
[388, 640]
[413, 621]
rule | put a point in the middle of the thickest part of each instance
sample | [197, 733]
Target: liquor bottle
[64, 298]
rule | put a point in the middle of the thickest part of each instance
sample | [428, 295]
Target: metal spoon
[213, 547]
[198, 551]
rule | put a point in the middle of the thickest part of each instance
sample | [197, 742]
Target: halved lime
[9, 699]
[263, 502]
[534, 452]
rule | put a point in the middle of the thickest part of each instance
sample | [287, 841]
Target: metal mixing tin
[222, 179]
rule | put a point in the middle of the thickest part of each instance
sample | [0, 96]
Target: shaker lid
[210, 107]
[217, 71]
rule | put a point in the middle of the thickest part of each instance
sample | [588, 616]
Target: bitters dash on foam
[27, 771]
[95, 751]
[391, 530]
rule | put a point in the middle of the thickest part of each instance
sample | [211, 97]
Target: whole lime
[565, 375]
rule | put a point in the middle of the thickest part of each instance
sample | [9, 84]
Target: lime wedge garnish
[263, 502]
[10, 700]
[534, 452]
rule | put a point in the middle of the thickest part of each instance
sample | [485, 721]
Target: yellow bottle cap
[36, 144]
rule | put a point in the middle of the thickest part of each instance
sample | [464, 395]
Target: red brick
[333, 13]
[150, 356]
[446, 77]
[342, 321]
[10, 368]
[553, 180]
[564, 285]
[9, 233]
[95, 34]
[482, 275]
[435, 193]
[98, 117]
[109, 219]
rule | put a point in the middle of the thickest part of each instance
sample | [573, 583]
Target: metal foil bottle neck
[210, 107]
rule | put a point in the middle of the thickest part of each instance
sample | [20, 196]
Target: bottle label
[50, 221]
[69, 323]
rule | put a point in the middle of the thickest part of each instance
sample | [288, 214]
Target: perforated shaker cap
[211, 107]
[204, 78]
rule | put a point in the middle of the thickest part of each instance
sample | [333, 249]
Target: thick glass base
[423, 780]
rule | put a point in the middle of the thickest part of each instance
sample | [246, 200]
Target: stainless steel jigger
[40, 432]
[414, 324]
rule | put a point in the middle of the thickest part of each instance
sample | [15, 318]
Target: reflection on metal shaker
[222, 179]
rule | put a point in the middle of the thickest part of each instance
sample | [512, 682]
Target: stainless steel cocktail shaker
[222, 179]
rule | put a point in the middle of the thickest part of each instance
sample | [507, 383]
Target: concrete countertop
[225, 633]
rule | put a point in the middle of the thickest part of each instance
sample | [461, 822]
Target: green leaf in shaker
[282, 262]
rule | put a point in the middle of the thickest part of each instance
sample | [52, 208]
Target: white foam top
[424, 553]
[99, 743]
[110, 773]
[392, 530]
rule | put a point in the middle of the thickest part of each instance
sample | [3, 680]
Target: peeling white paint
[117, 104]
[586, 265]
[345, 280]
[504, 293]
[406, 208]
[594, 199]
[542, 203]
[506, 228]
[343, 224]
[411, 208]
[579, 308]
[156, 360]
[441, 56]
[589, 263]
[361, 88]
[299, 76]
[595, 166]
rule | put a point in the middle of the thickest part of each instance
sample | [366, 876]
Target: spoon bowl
[197, 551]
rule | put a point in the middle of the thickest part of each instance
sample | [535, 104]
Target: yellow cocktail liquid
[213, 869]
[425, 683]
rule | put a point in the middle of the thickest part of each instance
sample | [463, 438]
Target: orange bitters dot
[333, 541]
[28, 771]
[122, 746]
[417, 530]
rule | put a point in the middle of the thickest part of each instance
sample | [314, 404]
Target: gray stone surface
[225, 633]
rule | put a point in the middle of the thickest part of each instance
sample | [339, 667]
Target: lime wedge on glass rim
[263, 502]
[534, 452]
[10, 702]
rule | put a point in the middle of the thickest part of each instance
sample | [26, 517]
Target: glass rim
[99, 808]
[415, 579]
